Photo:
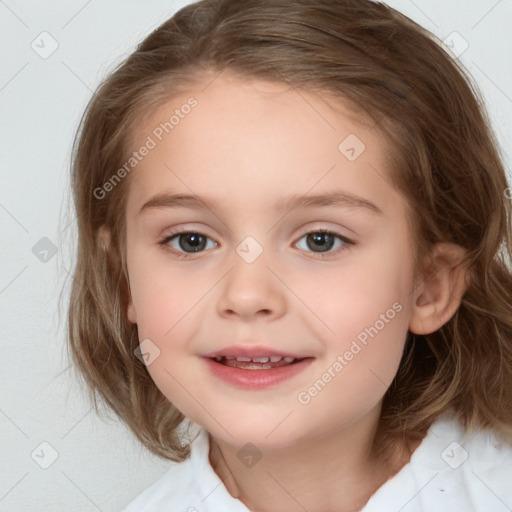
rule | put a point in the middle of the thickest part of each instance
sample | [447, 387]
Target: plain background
[98, 463]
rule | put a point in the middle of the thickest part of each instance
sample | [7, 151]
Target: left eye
[322, 241]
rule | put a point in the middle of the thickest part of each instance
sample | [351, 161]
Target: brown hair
[446, 163]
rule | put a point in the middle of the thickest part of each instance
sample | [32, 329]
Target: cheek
[375, 290]
[363, 355]
[163, 296]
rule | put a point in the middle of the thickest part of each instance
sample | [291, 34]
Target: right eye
[186, 242]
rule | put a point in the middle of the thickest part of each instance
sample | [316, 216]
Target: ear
[130, 312]
[443, 283]
[104, 242]
[104, 238]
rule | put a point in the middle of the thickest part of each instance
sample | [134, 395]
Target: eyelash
[164, 243]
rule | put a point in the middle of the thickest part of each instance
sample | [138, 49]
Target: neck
[336, 471]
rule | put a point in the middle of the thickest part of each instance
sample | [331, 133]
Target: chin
[265, 435]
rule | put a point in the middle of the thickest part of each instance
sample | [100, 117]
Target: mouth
[257, 363]
[255, 369]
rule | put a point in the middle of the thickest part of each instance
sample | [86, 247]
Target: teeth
[244, 359]
[260, 359]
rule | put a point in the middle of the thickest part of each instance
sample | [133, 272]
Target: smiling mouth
[256, 363]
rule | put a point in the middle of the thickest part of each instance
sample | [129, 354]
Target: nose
[250, 292]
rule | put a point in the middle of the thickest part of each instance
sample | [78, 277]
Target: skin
[248, 144]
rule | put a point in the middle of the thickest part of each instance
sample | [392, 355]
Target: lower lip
[256, 379]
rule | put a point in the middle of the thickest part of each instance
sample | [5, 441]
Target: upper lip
[252, 352]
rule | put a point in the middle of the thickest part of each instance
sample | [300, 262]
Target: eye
[319, 242]
[322, 241]
[187, 242]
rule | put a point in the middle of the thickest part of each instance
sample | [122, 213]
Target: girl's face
[268, 168]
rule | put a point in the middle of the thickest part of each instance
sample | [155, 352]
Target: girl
[293, 273]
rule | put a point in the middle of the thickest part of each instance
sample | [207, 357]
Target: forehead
[275, 139]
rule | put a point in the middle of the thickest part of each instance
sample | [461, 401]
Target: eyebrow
[337, 198]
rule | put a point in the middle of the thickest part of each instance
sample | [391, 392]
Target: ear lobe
[439, 294]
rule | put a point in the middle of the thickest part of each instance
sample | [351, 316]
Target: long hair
[446, 163]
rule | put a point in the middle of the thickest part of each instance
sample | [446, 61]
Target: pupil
[192, 242]
[319, 239]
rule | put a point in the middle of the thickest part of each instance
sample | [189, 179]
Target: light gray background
[100, 465]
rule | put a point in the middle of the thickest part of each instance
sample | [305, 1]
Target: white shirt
[448, 472]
